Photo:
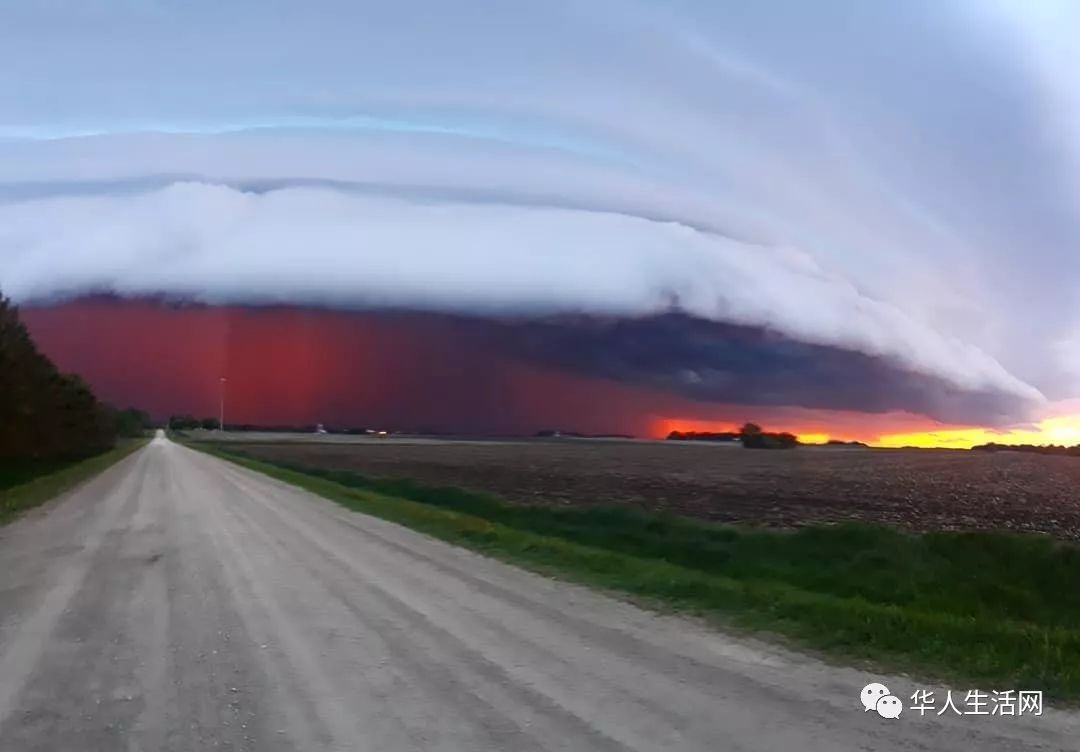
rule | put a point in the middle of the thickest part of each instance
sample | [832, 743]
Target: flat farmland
[914, 489]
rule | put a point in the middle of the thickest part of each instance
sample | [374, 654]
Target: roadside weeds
[17, 499]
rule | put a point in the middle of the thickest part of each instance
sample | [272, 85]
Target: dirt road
[177, 602]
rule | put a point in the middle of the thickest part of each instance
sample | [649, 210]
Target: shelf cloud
[888, 188]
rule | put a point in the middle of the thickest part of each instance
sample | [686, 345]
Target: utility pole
[221, 416]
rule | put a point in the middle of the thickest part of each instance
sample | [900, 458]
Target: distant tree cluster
[187, 423]
[721, 436]
[1068, 451]
[44, 414]
[131, 423]
[751, 436]
[754, 438]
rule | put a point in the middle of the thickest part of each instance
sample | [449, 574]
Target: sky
[843, 218]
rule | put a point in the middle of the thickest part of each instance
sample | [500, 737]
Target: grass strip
[995, 609]
[17, 472]
[17, 499]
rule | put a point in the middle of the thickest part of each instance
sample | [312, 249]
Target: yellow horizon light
[1059, 430]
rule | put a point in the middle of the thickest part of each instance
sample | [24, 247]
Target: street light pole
[221, 416]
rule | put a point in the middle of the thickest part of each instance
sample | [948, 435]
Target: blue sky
[898, 180]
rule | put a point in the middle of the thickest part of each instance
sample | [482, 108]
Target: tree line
[750, 436]
[1055, 449]
[188, 422]
[46, 414]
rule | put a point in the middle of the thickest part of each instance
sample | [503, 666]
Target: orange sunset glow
[1057, 430]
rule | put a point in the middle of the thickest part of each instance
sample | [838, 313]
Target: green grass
[26, 486]
[997, 609]
[15, 473]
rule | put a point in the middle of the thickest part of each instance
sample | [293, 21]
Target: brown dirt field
[920, 490]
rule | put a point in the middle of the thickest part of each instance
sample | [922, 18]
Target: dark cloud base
[726, 363]
[486, 374]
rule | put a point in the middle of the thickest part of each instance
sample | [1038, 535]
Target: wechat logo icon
[876, 696]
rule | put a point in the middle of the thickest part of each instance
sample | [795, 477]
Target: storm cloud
[804, 192]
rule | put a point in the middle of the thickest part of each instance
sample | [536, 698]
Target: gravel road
[177, 602]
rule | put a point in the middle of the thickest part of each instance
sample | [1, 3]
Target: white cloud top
[887, 179]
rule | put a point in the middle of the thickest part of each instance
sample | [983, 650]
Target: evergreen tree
[44, 414]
